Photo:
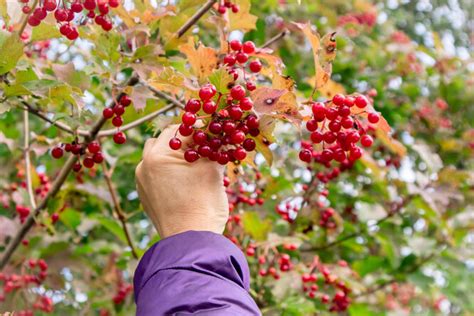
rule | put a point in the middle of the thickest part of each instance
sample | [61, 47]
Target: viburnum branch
[59, 125]
[193, 20]
[146, 118]
[56, 186]
[26, 150]
[275, 38]
[118, 209]
[165, 96]
[25, 21]
[384, 284]
[395, 210]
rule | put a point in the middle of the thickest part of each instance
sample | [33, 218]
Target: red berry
[237, 137]
[223, 158]
[335, 126]
[125, 100]
[190, 155]
[373, 117]
[188, 118]
[331, 114]
[241, 57]
[366, 141]
[248, 47]
[361, 101]
[107, 113]
[32, 21]
[41, 13]
[317, 137]
[349, 101]
[305, 155]
[103, 8]
[49, 5]
[57, 152]
[117, 121]
[338, 99]
[207, 92]
[251, 86]
[237, 92]
[65, 29]
[42, 265]
[255, 66]
[26, 9]
[215, 127]
[204, 150]
[228, 127]
[119, 109]
[319, 111]
[229, 60]
[107, 25]
[246, 104]
[114, 3]
[221, 9]
[175, 143]
[209, 107]
[73, 34]
[98, 157]
[89, 5]
[120, 138]
[76, 7]
[344, 111]
[61, 15]
[235, 8]
[235, 113]
[77, 167]
[93, 147]
[88, 162]
[199, 137]
[330, 137]
[235, 45]
[192, 106]
[240, 154]
[355, 154]
[249, 144]
[311, 125]
[253, 122]
[347, 122]
[185, 130]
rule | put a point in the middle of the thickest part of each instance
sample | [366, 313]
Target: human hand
[177, 195]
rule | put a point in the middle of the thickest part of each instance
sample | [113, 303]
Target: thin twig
[56, 186]
[193, 20]
[26, 150]
[59, 125]
[165, 96]
[146, 118]
[25, 21]
[118, 209]
[276, 38]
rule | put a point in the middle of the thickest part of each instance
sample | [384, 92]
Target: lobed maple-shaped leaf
[203, 60]
[168, 80]
[242, 20]
[324, 52]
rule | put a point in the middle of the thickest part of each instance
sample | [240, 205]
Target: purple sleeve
[193, 272]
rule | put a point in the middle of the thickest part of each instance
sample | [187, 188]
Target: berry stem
[276, 38]
[26, 149]
[25, 19]
[193, 20]
[118, 209]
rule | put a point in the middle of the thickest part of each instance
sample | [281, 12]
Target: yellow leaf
[262, 147]
[329, 89]
[125, 16]
[392, 144]
[323, 56]
[168, 80]
[242, 20]
[203, 60]
[278, 103]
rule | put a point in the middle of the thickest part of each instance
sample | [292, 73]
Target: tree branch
[165, 96]
[275, 38]
[55, 187]
[146, 118]
[193, 20]
[118, 209]
[26, 149]
[59, 125]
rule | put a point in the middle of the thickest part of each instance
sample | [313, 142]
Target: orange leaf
[203, 60]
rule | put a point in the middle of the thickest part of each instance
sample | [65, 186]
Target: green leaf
[16, 90]
[44, 31]
[112, 226]
[296, 306]
[369, 265]
[363, 310]
[11, 51]
[27, 75]
[221, 79]
[254, 226]
[70, 218]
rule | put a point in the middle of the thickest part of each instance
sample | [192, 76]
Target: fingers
[148, 146]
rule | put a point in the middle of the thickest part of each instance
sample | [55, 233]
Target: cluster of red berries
[224, 137]
[287, 211]
[115, 113]
[238, 58]
[312, 284]
[23, 212]
[123, 290]
[92, 153]
[239, 194]
[338, 131]
[66, 12]
[283, 264]
[14, 282]
[326, 219]
[226, 4]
